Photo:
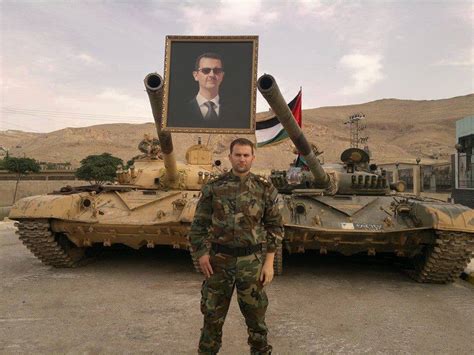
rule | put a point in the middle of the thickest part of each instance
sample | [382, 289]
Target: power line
[60, 118]
[62, 113]
[68, 112]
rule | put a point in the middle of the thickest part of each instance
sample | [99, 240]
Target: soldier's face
[210, 81]
[241, 158]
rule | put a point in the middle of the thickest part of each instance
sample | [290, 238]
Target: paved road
[149, 302]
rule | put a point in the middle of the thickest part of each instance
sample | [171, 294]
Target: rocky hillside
[397, 129]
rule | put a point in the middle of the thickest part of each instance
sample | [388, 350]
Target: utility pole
[356, 129]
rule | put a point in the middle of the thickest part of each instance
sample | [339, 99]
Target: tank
[152, 204]
[351, 208]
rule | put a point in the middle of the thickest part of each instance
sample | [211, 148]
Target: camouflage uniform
[235, 212]
[151, 147]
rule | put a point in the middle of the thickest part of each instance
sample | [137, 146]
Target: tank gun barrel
[269, 89]
[154, 88]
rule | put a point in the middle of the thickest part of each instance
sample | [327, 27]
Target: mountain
[397, 130]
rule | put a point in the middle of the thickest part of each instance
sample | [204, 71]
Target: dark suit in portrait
[230, 116]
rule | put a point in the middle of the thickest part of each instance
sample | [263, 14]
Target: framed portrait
[210, 84]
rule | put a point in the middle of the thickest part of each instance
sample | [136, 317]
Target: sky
[82, 63]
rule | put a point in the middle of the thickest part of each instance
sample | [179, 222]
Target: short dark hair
[207, 55]
[242, 141]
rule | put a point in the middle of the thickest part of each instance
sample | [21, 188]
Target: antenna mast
[356, 129]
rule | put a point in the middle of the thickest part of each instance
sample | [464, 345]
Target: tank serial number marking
[347, 225]
[365, 226]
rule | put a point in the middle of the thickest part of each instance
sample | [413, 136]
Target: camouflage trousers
[229, 273]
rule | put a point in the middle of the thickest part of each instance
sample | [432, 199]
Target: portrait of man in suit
[210, 86]
[205, 109]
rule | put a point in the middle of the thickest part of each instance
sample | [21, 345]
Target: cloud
[45, 64]
[466, 60]
[318, 8]
[122, 100]
[366, 71]
[214, 17]
[114, 95]
[456, 63]
[368, 26]
[87, 59]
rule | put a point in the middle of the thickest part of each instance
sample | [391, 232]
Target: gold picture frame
[233, 77]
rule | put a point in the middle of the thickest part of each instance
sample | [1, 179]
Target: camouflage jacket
[149, 146]
[236, 213]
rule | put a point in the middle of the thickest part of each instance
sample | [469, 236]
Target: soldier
[236, 215]
[150, 146]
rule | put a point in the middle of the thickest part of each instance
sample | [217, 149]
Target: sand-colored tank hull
[437, 236]
[135, 218]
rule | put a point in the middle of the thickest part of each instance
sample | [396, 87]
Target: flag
[271, 131]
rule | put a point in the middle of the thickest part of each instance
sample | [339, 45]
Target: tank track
[51, 248]
[446, 259]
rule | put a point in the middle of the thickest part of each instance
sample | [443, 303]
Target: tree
[20, 166]
[99, 168]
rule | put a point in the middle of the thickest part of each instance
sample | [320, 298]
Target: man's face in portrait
[209, 80]
[241, 158]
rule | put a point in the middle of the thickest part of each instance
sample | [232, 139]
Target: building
[463, 163]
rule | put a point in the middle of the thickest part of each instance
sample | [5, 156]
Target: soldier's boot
[252, 352]
[206, 352]
[258, 343]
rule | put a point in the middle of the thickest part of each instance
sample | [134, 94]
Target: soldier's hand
[266, 276]
[205, 264]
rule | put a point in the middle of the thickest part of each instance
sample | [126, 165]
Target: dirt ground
[138, 302]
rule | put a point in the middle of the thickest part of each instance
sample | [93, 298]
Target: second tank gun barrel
[154, 88]
[269, 89]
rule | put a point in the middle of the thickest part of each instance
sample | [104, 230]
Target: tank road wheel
[446, 259]
[51, 248]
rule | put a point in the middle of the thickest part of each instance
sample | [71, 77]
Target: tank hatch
[199, 154]
[355, 155]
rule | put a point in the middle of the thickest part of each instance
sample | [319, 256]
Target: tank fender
[48, 206]
[444, 216]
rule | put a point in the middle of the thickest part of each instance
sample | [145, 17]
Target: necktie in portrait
[211, 112]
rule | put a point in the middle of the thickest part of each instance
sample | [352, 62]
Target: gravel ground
[135, 302]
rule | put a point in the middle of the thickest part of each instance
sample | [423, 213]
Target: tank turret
[154, 88]
[269, 89]
[354, 176]
[157, 167]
